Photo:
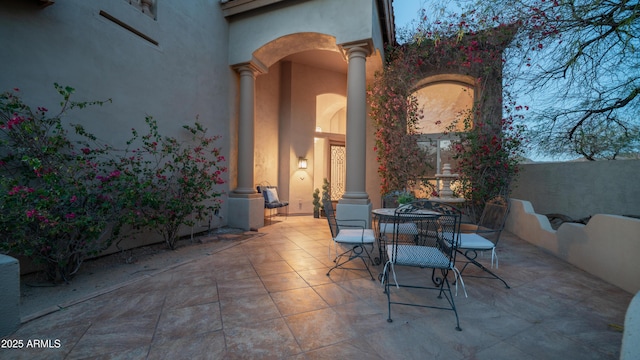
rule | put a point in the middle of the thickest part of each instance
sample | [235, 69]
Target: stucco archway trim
[455, 78]
[450, 78]
[273, 51]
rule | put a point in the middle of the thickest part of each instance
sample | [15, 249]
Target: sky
[407, 11]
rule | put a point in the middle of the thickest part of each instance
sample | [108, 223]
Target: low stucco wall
[581, 189]
[608, 246]
[630, 344]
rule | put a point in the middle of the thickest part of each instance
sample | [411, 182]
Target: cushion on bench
[271, 198]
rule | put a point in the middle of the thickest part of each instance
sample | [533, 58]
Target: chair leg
[441, 282]
[352, 254]
[440, 286]
[370, 260]
[451, 301]
[385, 280]
[472, 260]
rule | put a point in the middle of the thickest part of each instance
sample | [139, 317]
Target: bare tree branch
[579, 62]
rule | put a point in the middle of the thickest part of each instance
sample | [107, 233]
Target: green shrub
[52, 208]
[164, 183]
[63, 200]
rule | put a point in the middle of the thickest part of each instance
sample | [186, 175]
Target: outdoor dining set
[424, 234]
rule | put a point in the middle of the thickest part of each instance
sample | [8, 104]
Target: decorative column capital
[255, 67]
[359, 48]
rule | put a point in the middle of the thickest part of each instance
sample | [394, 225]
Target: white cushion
[404, 228]
[422, 256]
[355, 236]
[272, 195]
[475, 241]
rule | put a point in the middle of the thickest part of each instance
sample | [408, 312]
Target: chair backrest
[437, 206]
[270, 193]
[390, 200]
[436, 224]
[327, 205]
[494, 217]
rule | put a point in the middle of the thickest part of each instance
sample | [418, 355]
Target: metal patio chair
[484, 236]
[272, 201]
[351, 234]
[433, 247]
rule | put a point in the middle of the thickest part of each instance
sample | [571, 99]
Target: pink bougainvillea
[63, 198]
[489, 147]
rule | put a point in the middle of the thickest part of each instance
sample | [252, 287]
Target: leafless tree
[578, 62]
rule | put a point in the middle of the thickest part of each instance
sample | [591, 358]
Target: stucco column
[355, 202]
[246, 130]
[355, 190]
[246, 206]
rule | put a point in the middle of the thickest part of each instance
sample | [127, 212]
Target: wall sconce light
[302, 163]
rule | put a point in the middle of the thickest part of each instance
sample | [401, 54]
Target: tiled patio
[269, 297]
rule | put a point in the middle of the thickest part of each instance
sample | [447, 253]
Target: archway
[329, 143]
[303, 89]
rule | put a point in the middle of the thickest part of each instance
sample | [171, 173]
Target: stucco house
[279, 80]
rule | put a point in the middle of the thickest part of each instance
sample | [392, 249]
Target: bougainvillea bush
[164, 183]
[488, 147]
[65, 197]
[395, 113]
[51, 206]
[487, 159]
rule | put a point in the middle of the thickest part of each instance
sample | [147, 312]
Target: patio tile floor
[269, 297]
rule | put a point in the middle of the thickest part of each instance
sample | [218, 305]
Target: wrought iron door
[338, 170]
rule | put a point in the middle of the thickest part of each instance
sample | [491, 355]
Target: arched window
[444, 100]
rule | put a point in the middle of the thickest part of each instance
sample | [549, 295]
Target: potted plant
[326, 193]
[317, 205]
[405, 198]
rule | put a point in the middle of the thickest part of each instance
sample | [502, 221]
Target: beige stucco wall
[184, 76]
[607, 247]
[580, 189]
[70, 43]
[300, 26]
[267, 134]
[346, 21]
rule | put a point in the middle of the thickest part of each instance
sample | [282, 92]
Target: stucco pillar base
[354, 210]
[246, 211]
[352, 197]
[10, 295]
